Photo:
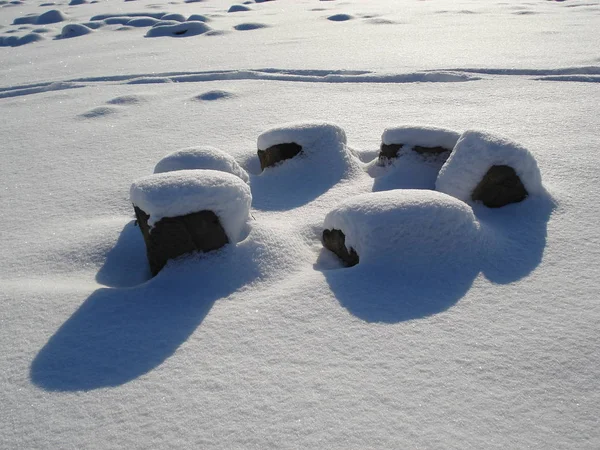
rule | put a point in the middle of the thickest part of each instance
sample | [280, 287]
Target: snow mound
[198, 18]
[340, 17]
[416, 226]
[238, 8]
[475, 153]
[52, 16]
[179, 29]
[142, 22]
[74, 30]
[14, 41]
[423, 136]
[178, 193]
[174, 16]
[204, 157]
[250, 26]
[323, 161]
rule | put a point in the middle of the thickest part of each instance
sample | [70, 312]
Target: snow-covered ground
[269, 342]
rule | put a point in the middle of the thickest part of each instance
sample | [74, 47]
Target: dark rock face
[278, 153]
[390, 151]
[172, 237]
[500, 186]
[335, 241]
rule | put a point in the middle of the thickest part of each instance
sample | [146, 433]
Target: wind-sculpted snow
[301, 76]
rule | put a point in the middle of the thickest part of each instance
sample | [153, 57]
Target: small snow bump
[340, 17]
[250, 26]
[214, 95]
[238, 8]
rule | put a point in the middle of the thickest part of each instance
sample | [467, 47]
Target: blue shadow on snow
[511, 245]
[119, 334]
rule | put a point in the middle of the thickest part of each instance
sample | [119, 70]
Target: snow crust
[203, 157]
[419, 226]
[475, 153]
[424, 136]
[182, 192]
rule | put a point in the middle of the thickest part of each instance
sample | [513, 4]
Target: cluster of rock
[199, 199]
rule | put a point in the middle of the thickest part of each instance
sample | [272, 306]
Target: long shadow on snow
[511, 244]
[125, 264]
[117, 335]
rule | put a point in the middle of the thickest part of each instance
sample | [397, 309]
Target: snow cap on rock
[475, 153]
[182, 192]
[203, 157]
[412, 225]
[424, 136]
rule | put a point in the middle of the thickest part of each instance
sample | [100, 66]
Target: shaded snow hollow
[173, 194]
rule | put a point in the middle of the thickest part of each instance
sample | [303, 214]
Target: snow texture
[74, 30]
[424, 136]
[475, 153]
[182, 192]
[271, 343]
[419, 226]
[204, 157]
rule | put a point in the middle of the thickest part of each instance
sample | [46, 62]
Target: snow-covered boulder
[187, 211]
[490, 169]
[421, 139]
[314, 142]
[410, 226]
[323, 160]
[203, 157]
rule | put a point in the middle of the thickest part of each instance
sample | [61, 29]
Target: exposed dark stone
[430, 150]
[390, 151]
[500, 186]
[172, 237]
[335, 241]
[278, 153]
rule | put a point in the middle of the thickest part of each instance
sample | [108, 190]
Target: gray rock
[277, 153]
[172, 237]
[500, 186]
[390, 151]
[335, 241]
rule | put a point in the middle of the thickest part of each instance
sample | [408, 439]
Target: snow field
[182, 192]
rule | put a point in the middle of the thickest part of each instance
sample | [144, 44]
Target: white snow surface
[424, 136]
[182, 192]
[391, 227]
[475, 153]
[201, 157]
[270, 343]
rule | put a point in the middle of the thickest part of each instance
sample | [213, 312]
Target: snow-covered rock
[411, 225]
[321, 142]
[423, 136]
[204, 157]
[178, 193]
[475, 154]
